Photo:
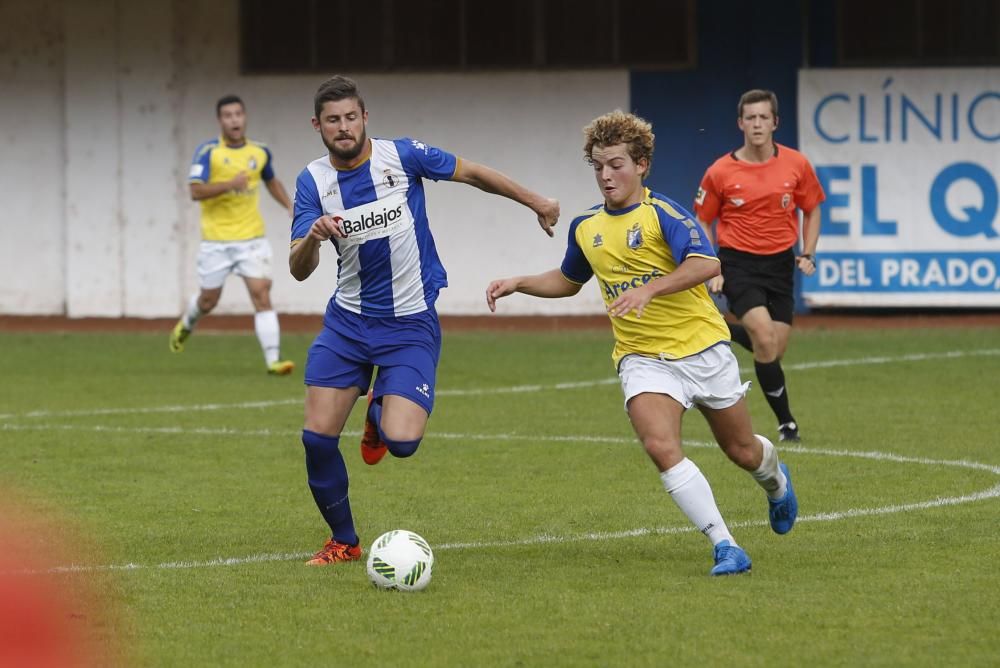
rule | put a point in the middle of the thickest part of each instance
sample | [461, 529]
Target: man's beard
[348, 154]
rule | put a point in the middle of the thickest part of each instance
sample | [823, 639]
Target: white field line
[516, 389]
[509, 436]
[939, 502]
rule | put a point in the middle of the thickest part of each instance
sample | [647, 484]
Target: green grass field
[555, 543]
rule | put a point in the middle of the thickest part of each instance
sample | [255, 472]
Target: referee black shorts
[759, 280]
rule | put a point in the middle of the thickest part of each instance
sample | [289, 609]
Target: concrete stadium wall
[103, 102]
[32, 154]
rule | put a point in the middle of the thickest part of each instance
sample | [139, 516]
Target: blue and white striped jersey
[388, 265]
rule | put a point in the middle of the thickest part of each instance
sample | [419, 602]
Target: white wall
[117, 96]
[32, 178]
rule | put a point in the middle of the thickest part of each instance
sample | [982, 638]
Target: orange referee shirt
[756, 202]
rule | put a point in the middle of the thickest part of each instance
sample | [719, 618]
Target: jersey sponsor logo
[699, 197]
[612, 290]
[375, 220]
[633, 237]
[419, 145]
[737, 201]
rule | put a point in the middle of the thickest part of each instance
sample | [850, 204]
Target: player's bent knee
[741, 452]
[207, 304]
[660, 449]
[401, 448]
[319, 447]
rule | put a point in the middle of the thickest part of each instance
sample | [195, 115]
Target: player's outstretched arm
[490, 180]
[551, 284]
[694, 270]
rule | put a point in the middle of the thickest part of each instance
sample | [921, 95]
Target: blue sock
[328, 482]
[400, 448]
[375, 414]
[397, 448]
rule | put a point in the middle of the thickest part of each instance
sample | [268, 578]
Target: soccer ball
[400, 559]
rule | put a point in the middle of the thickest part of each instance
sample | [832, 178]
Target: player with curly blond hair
[671, 349]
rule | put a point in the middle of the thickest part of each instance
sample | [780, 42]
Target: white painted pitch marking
[542, 539]
[889, 359]
[155, 409]
[992, 492]
[516, 389]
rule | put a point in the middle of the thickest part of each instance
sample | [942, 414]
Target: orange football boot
[372, 447]
[334, 552]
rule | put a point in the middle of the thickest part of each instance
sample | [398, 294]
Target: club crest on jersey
[390, 180]
[786, 199]
[633, 237]
[598, 240]
[251, 164]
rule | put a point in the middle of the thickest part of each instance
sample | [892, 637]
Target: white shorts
[711, 378]
[218, 259]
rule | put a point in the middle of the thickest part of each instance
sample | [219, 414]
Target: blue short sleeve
[268, 172]
[680, 230]
[201, 162]
[307, 206]
[575, 266]
[425, 161]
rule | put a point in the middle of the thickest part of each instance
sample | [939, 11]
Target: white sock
[691, 492]
[192, 313]
[768, 475]
[268, 334]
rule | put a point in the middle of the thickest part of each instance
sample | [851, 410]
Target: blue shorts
[405, 350]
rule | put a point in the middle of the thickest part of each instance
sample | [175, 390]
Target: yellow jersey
[233, 215]
[630, 247]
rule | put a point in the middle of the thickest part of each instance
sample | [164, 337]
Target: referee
[755, 192]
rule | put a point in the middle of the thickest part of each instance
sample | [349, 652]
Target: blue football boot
[730, 559]
[782, 512]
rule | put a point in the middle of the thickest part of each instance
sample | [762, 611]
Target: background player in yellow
[671, 343]
[225, 177]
